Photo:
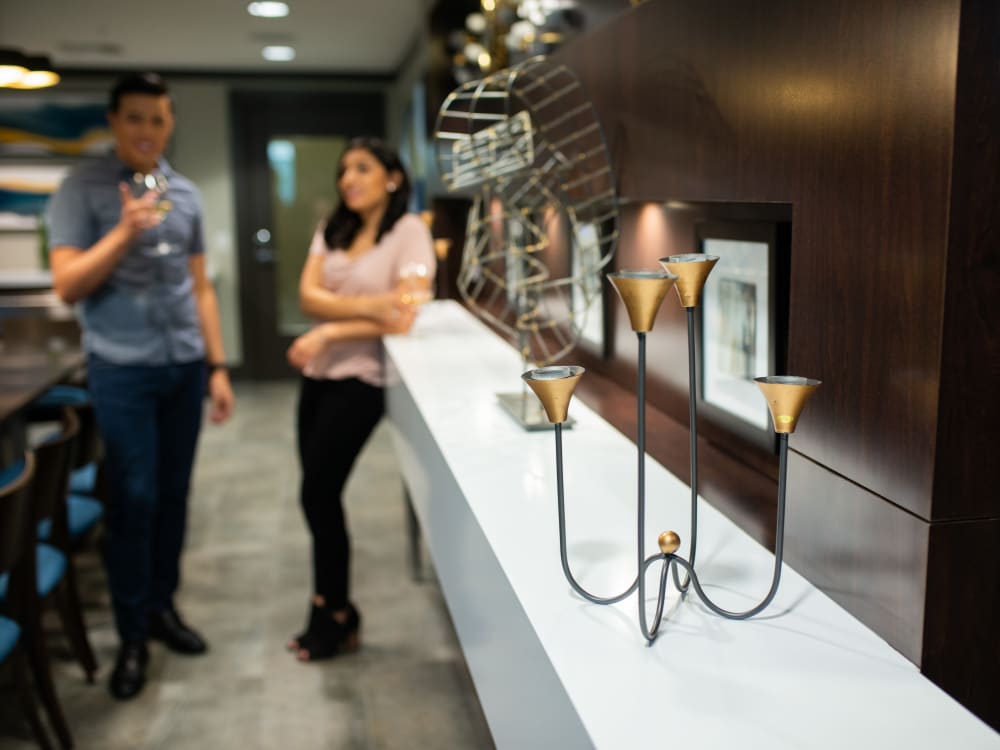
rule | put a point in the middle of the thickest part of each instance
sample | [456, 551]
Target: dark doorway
[286, 147]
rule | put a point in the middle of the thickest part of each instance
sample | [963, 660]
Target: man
[127, 245]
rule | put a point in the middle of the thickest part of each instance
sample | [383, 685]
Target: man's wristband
[213, 366]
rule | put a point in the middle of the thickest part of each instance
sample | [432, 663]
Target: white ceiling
[356, 36]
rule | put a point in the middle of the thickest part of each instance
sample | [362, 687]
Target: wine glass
[156, 182]
[415, 283]
[142, 183]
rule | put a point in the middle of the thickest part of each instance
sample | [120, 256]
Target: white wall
[201, 152]
[19, 251]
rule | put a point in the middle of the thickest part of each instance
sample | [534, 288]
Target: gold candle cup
[786, 396]
[643, 293]
[554, 386]
[691, 269]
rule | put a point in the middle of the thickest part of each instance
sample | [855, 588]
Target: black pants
[335, 419]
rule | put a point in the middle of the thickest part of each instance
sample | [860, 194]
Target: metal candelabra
[642, 292]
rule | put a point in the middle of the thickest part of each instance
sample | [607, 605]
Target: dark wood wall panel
[963, 614]
[868, 555]
[844, 110]
[970, 406]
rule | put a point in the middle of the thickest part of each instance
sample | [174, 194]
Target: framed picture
[24, 191]
[742, 324]
[588, 291]
[54, 125]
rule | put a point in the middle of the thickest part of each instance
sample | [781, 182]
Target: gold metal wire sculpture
[526, 143]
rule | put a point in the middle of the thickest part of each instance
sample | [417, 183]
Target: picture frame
[54, 125]
[588, 295]
[742, 323]
[24, 191]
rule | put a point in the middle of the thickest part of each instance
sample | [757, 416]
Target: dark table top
[26, 371]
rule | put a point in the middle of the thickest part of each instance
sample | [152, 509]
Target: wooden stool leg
[38, 657]
[71, 615]
[26, 695]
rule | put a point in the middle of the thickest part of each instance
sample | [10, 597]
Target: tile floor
[246, 587]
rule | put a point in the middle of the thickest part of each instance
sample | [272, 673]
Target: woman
[351, 284]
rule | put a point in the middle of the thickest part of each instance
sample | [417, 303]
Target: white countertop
[804, 674]
[25, 280]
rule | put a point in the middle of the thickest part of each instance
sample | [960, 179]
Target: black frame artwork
[742, 323]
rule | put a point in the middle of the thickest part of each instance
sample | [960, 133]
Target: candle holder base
[526, 410]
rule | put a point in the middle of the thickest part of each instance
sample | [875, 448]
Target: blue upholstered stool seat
[82, 481]
[51, 567]
[82, 514]
[83, 511]
[11, 472]
[50, 564]
[10, 631]
[62, 395]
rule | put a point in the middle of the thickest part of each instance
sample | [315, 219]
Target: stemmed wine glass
[156, 182]
[415, 283]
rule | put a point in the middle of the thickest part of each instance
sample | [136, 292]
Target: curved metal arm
[649, 633]
[778, 549]
[562, 535]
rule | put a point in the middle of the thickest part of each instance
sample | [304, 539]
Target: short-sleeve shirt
[374, 272]
[144, 313]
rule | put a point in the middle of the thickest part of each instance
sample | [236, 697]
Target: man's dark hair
[137, 83]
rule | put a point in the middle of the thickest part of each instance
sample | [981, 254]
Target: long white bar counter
[555, 671]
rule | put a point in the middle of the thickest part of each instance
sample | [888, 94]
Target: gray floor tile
[246, 586]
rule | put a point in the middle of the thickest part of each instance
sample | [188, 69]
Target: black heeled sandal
[331, 638]
[317, 614]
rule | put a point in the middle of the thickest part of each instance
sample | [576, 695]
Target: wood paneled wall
[878, 123]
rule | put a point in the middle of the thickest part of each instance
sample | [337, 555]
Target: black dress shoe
[129, 674]
[168, 627]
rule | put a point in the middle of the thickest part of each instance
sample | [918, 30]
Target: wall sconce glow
[278, 53]
[21, 71]
[268, 9]
[36, 79]
[11, 73]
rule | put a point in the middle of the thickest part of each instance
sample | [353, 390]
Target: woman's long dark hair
[343, 224]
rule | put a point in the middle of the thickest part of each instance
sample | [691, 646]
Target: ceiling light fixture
[509, 32]
[278, 53]
[268, 9]
[20, 71]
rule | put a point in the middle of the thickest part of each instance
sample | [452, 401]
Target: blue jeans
[149, 418]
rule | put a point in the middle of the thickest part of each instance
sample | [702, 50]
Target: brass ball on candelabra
[669, 542]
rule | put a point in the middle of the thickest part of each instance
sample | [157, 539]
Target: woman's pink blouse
[375, 272]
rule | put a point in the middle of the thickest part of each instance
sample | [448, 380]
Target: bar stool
[56, 571]
[51, 569]
[85, 499]
[15, 581]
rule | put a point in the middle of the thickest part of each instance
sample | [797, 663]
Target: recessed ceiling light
[268, 9]
[278, 53]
